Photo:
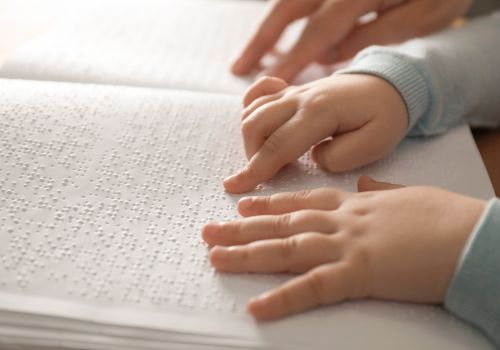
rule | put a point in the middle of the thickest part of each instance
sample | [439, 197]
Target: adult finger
[366, 183]
[297, 253]
[325, 28]
[323, 285]
[321, 199]
[285, 145]
[280, 14]
[263, 87]
[409, 20]
[264, 227]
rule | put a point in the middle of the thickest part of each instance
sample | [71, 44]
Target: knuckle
[354, 229]
[298, 198]
[243, 254]
[272, 144]
[360, 256]
[234, 226]
[287, 301]
[247, 127]
[317, 287]
[357, 281]
[266, 202]
[289, 247]
[359, 205]
[317, 102]
[281, 224]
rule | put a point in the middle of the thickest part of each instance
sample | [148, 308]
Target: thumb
[366, 184]
[351, 149]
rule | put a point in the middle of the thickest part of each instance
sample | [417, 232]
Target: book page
[182, 44]
[103, 194]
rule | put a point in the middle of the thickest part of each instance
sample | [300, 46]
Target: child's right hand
[388, 243]
[365, 115]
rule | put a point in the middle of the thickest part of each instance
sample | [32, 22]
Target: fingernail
[245, 203]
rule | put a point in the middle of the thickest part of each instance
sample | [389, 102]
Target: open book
[117, 128]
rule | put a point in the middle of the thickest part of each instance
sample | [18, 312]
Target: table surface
[22, 20]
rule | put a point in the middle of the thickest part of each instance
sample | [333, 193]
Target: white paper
[103, 193]
[186, 44]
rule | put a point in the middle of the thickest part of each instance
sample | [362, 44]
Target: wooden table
[16, 29]
[488, 142]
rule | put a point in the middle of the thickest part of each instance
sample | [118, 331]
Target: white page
[104, 191]
[183, 44]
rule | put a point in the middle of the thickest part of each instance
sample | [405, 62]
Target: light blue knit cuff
[474, 293]
[404, 75]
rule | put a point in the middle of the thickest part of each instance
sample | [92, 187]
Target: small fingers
[327, 284]
[263, 87]
[286, 144]
[280, 203]
[268, 227]
[264, 121]
[258, 103]
[297, 253]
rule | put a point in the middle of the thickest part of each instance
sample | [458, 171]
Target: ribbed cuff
[401, 73]
[474, 293]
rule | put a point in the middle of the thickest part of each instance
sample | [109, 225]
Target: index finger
[279, 16]
[286, 144]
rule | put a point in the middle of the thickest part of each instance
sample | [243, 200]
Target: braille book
[117, 127]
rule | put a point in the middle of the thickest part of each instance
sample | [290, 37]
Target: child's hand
[334, 32]
[366, 116]
[401, 244]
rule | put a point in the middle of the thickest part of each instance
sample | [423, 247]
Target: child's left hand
[400, 244]
[365, 115]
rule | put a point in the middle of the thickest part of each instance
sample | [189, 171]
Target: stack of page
[117, 127]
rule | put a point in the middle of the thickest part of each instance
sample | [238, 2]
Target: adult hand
[334, 32]
[389, 243]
